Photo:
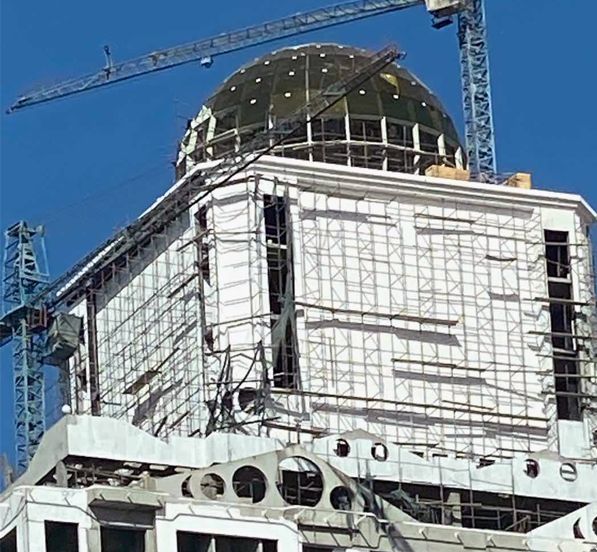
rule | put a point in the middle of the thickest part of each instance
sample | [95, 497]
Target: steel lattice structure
[205, 50]
[25, 276]
[476, 90]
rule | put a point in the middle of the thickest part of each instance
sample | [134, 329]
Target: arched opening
[300, 481]
[212, 485]
[341, 498]
[249, 482]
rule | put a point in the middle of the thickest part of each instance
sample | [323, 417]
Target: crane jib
[211, 47]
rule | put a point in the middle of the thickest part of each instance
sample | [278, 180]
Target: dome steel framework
[392, 122]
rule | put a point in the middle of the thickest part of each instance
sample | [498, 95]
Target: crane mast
[476, 91]
[24, 278]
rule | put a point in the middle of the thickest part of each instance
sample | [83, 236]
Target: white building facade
[414, 308]
[87, 491]
[325, 347]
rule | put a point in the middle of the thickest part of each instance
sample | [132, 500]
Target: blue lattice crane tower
[476, 90]
[24, 322]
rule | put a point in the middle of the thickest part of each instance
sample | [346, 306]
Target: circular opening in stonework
[576, 530]
[212, 485]
[185, 488]
[531, 467]
[380, 452]
[342, 448]
[568, 471]
[341, 498]
[595, 525]
[249, 482]
[300, 481]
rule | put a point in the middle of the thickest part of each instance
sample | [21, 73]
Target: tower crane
[25, 277]
[472, 38]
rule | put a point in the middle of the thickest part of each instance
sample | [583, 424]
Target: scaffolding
[425, 322]
[296, 309]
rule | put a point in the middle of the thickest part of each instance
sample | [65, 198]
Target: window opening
[341, 498]
[568, 472]
[292, 133]
[450, 157]
[365, 130]
[342, 448]
[557, 254]
[336, 154]
[567, 386]
[61, 537]
[401, 160]
[203, 245]
[300, 481]
[561, 311]
[326, 129]
[400, 135]
[198, 542]
[364, 154]
[428, 142]
[117, 540]
[192, 542]
[225, 121]
[224, 146]
[576, 530]
[380, 452]
[8, 543]
[281, 291]
[295, 152]
[249, 482]
[248, 134]
[531, 468]
[243, 544]
[212, 485]
[198, 154]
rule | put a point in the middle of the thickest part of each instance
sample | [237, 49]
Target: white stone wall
[419, 308]
[28, 509]
[418, 304]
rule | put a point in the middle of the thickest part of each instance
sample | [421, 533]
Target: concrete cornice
[361, 183]
[388, 185]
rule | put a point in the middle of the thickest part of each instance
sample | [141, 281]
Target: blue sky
[87, 165]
